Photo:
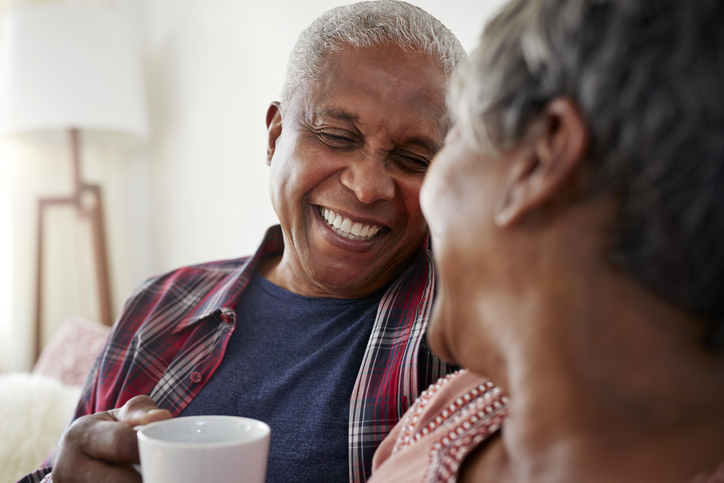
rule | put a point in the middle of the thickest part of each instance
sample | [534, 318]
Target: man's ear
[274, 129]
[557, 148]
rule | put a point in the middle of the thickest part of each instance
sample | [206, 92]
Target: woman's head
[643, 81]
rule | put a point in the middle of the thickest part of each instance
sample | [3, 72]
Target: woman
[577, 217]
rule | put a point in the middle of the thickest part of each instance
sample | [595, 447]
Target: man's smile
[348, 228]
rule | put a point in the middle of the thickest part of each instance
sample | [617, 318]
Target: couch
[35, 407]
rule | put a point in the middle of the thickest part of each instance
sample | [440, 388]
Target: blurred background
[193, 189]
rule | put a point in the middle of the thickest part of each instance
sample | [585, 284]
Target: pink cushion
[70, 354]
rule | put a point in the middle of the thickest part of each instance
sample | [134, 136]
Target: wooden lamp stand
[88, 202]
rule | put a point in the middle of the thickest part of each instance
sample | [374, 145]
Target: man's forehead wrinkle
[334, 113]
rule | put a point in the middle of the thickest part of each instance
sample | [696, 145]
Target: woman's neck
[608, 384]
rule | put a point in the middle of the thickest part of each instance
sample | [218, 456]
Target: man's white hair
[368, 24]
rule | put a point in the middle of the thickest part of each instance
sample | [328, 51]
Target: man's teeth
[346, 228]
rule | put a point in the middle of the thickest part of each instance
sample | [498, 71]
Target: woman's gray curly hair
[647, 77]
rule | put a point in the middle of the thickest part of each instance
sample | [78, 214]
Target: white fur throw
[33, 412]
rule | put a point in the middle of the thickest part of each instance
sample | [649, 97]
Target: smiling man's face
[348, 155]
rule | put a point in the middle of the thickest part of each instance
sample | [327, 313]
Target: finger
[100, 438]
[81, 470]
[73, 464]
[139, 410]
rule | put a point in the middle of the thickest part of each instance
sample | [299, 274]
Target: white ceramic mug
[204, 448]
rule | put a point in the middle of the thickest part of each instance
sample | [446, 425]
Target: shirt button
[196, 377]
[226, 318]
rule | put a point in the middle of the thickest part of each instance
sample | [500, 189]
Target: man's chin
[354, 275]
[349, 282]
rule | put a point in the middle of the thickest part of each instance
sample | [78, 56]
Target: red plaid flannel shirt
[173, 331]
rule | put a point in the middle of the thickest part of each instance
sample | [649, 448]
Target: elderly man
[577, 216]
[320, 333]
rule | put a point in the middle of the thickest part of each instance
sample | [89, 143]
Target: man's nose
[370, 180]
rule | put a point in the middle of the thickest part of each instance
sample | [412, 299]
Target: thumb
[139, 410]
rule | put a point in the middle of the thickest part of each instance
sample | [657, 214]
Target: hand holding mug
[103, 446]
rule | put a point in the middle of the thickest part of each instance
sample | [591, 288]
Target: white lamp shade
[70, 66]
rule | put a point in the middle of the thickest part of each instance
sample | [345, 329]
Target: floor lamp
[72, 69]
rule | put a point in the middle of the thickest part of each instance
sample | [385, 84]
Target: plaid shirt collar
[227, 293]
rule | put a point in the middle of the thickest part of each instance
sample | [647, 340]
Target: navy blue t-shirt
[292, 362]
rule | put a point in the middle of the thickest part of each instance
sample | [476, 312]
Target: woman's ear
[552, 152]
[274, 129]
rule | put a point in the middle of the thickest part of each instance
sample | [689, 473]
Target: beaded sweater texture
[447, 421]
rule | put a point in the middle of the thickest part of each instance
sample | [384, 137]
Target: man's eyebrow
[342, 115]
[339, 114]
